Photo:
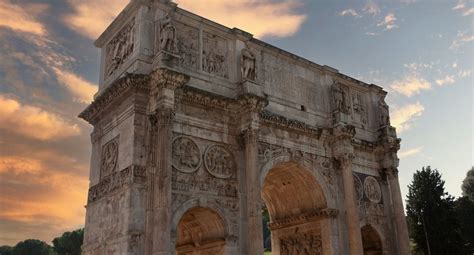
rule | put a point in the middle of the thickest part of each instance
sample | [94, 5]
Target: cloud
[415, 67]
[468, 12]
[91, 17]
[371, 33]
[402, 118]
[461, 39]
[464, 73]
[371, 8]
[460, 5]
[82, 90]
[18, 19]
[37, 200]
[349, 12]
[33, 122]
[410, 152]
[388, 22]
[260, 17]
[448, 79]
[410, 85]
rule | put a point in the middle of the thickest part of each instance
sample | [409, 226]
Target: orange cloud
[33, 192]
[82, 90]
[410, 85]
[33, 122]
[17, 18]
[91, 17]
[259, 17]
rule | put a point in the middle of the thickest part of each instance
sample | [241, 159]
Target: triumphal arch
[197, 127]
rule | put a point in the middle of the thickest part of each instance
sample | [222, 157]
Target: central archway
[299, 215]
[371, 241]
[200, 231]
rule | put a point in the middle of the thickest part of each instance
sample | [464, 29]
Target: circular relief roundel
[219, 161]
[186, 156]
[372, 189]
[359, 189]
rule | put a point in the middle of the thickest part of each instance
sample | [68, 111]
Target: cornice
[303, 218]
[204, 98]
[114, 91]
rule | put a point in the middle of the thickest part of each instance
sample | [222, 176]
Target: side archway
[298, 209]
[371, 241]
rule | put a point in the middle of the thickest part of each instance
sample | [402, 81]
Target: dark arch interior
[371, 241]
[200, 230]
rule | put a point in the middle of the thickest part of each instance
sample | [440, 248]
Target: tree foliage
[69, 243]
[468, 184]
[28, 247]
[430, 207]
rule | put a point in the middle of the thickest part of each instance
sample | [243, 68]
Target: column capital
[166, 78]
[252, 103]
[162, 118]
[249, 136]
[345, 158]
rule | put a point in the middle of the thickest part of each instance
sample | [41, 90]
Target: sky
[420, 51]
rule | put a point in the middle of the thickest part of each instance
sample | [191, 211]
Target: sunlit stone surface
[198, 126]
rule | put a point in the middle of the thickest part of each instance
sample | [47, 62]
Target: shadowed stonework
[198, 126]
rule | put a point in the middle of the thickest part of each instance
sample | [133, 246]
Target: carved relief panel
[120, 48]
[188, 46]
[359, 108]
[186, 155]
[214, 55]
[302, 244]
[109, 157]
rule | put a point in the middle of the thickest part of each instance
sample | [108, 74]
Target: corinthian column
[398, 212]
[343, 152]
[161, 107]
[253, 237]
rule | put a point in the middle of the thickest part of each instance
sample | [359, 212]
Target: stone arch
[371, 240]
[304, 164]
[207, 220]
[295, 197]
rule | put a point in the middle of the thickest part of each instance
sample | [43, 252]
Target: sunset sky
[420, 51]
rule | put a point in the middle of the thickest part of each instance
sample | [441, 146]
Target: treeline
[68, 244]
[438, 223]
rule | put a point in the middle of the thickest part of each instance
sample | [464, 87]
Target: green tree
[465, 213]
[6, 250]
[32, 247]
[433, 216]
[69, 243]
[267, 242]
[468, 184]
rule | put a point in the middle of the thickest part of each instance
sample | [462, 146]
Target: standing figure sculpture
[339, 98]
[247, 61]
[384, 114]
[168, 35]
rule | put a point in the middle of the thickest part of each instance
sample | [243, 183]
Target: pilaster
[251, 106]
[164, 82]
[344, 154]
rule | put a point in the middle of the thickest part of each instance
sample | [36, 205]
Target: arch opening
[200, 231]
[296, 204]
[371, 241]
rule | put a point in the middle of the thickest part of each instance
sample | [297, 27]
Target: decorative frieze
[116, 181]
[195, 96]
[214, 55]
[303, 218]
[211, 185]
[309, 243]
[289, 124]
[120, 48]
[372, 189]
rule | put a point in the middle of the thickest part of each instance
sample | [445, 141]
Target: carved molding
[192, 95]
[249, 136]
[252, 103]
[219, 162]
[186, 155]
[303, 218]
[289, 124]
[116, 181]
[113, 92]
